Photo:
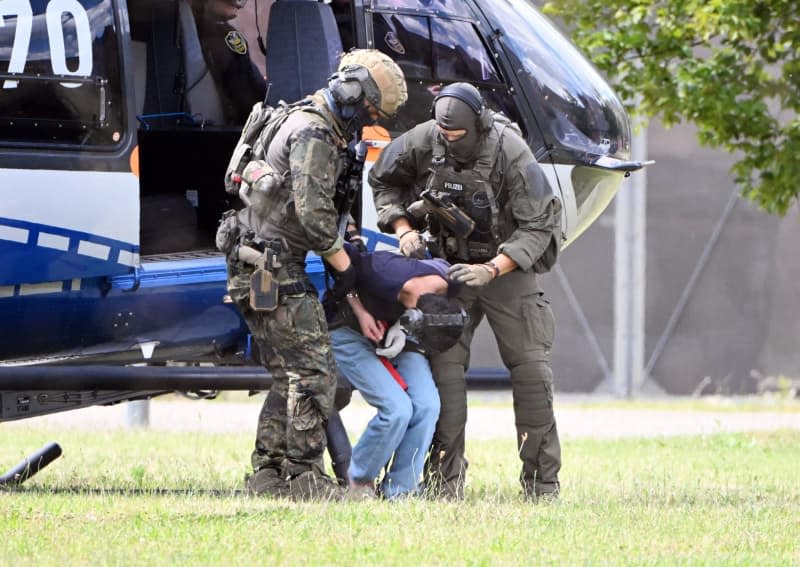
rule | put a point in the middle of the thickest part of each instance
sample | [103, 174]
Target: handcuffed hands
[411, 244]
[370, 328]
[473, 275]
[394, 341]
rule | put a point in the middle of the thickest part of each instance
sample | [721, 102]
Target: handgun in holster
[264, 287]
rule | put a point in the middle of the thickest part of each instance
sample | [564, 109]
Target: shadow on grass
[128, 491]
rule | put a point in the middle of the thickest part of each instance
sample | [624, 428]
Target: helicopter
[113, 150]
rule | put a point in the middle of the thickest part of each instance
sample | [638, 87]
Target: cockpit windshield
[572, 102]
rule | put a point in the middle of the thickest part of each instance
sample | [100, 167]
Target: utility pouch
[228, 232]
[263, 291]
[266, 187]
[302, 411]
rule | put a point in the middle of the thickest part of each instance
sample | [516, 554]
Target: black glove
[355, 239]
[343, 282]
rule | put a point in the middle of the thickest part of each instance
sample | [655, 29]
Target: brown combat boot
[311, 486]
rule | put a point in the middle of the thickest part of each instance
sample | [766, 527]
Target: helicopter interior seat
[303, 48]
[202, 98]
[154, 24]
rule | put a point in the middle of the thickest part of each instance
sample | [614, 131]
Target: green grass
[145, 498]
[767, 403]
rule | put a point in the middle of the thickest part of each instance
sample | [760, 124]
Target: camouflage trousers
[295, 347]
[522, 323]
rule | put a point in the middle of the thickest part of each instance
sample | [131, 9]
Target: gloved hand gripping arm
[410, 241]
[394, 341]
[479, 275]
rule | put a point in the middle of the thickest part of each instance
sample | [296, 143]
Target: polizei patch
[236, 42]
[453, 186]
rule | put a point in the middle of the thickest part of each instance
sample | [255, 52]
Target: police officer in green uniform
[292, 216]
[507, 230]
[227, 55]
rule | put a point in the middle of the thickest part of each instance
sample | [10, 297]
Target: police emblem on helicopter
[393, 43]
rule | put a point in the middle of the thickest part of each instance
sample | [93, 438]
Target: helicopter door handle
[101, 115]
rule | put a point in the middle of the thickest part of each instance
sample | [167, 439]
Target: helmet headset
[349, 88]
[470, 96]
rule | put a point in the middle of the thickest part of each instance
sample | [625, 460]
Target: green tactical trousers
[523, 325]
[295, 347]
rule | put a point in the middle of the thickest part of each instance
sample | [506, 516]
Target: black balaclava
[454, 114]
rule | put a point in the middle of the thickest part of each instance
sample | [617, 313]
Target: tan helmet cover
[386, 74]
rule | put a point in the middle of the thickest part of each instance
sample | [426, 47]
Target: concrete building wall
[741, 320]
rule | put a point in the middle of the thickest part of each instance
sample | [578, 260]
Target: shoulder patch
[236, 42]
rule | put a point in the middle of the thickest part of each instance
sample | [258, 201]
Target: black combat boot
[267, 482]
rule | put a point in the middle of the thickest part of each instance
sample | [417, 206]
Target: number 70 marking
[21, 9]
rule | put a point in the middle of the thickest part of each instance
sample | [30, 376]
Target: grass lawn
[146, 498]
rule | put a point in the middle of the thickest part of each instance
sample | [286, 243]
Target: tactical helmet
[383, 84]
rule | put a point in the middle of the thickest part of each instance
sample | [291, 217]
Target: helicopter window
[407, 40]
[59, 79]
[459, 53]
[455, 7]
[582, 112]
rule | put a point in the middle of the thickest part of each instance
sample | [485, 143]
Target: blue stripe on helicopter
[34, 252]
[41, 253]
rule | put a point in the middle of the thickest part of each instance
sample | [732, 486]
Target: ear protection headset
[469, 95]
[345, 85]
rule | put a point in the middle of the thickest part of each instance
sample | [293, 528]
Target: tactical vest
[478, 191]
[277, 203]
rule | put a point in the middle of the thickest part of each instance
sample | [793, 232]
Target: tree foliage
[731, 67]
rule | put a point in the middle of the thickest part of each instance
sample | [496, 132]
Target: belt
[296, 288]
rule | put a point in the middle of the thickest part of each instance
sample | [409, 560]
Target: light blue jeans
[405, 421]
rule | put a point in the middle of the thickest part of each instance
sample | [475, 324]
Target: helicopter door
[68, 197]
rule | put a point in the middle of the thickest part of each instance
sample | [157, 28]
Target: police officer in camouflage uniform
[477, 160]
[289, 220]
